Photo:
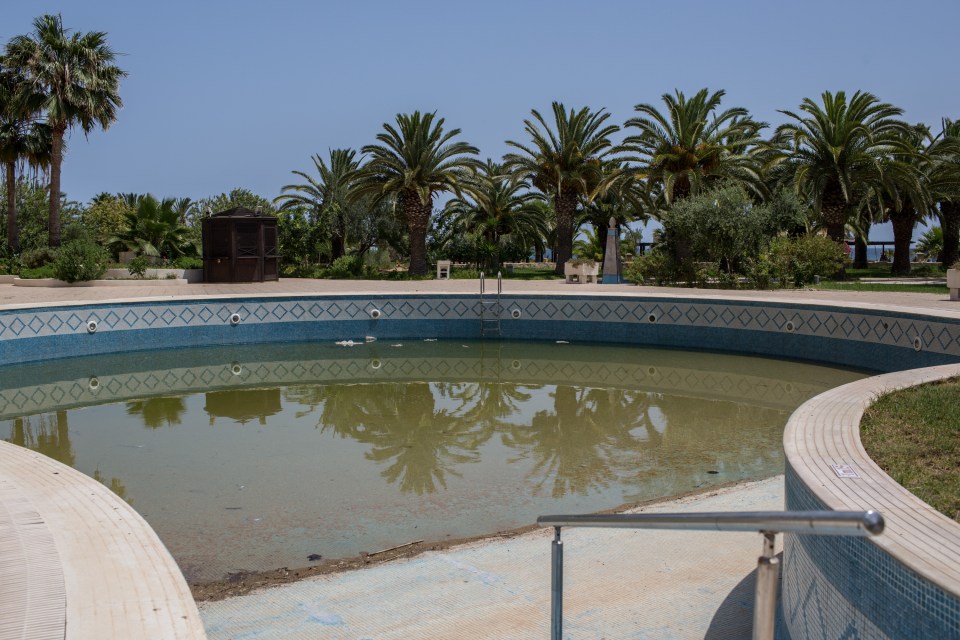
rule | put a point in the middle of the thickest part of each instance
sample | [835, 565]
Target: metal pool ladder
[768, 523]
[490, 309]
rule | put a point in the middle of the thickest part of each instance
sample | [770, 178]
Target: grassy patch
[46, 271]
[881, 270]
[914, 435]
[880, 286]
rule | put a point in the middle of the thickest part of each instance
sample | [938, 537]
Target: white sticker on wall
[845, 471]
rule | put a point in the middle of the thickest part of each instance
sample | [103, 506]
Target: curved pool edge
[79, 562]
[903, 583]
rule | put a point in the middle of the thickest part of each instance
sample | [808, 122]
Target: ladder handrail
[833, 523]
[497, 305]
[768, 523]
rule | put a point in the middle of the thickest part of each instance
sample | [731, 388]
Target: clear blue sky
[239, 94]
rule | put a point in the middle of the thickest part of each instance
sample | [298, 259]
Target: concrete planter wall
[953, 282]
[190, 275]
[120, 278]
[581, 272]
[53, 282]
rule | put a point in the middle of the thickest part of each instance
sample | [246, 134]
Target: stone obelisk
[611, 259]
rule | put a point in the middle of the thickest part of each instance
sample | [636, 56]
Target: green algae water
[255, 458]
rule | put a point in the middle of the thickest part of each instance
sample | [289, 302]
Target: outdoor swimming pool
[256, 457]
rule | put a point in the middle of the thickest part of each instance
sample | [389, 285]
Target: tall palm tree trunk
[860, 247]
[833, 207]
[337, 245]
[56, 159]
[13, 235]
[601, 236]
[835, 221]
[565, 204]
[950, 223]
[903, 223]
[418, 219]
[66, 455]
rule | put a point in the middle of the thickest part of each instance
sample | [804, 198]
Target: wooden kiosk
[240, 245]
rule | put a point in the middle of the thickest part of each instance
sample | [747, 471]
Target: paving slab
[13, 296]
[618, 584]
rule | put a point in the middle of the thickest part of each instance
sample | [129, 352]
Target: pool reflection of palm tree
[487, 403]
[419, 443]
[47, 434]
[158, 412]
[587, 442]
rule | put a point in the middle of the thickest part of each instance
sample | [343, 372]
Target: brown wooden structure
[240, 245]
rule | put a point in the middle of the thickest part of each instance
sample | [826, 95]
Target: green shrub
[724, 225]
[37, 257]
[464, 274]
[79, 261]
[816, 256]
[346, 267]
[797, 260]
[137, 267]
[8, 262]
[656, 265]
[187, 262]
[760, 270]
[46, 271]
[378, 259]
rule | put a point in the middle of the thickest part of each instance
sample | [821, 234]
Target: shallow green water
[254, 458]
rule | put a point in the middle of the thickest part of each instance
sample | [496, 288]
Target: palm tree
[691, 145]
[834, 152]
[930, 245]
[628, 200]
[499, 213]
[154, 229]
[72, 79]
[325, 197]
[567, 164]
[591, 246]
[414, 161]
[918, 173]
[904, 190]
[946, 171]
[22, 139]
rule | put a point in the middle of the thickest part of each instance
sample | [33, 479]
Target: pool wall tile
[837, 587]
[867, 339]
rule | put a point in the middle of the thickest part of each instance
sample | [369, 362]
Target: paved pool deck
[16, 296]
[618, 584]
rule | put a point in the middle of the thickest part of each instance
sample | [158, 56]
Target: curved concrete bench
[904, 583]
[78, 562]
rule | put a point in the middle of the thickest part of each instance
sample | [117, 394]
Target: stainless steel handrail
[768, 523]
[833, 523]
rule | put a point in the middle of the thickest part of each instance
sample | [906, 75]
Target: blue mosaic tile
[862, 338]
[835, 587]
